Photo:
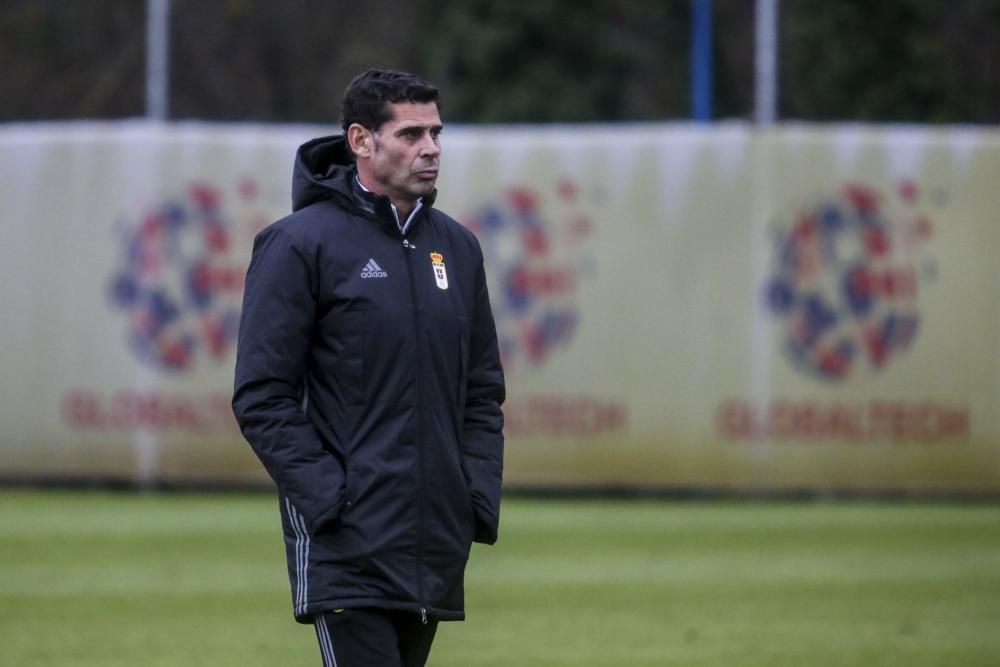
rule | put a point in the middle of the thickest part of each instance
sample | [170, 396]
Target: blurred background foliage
[502, 61]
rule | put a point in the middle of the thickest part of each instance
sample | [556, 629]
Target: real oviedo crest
[440, 274]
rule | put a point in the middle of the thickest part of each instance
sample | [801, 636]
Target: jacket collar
[381, 207]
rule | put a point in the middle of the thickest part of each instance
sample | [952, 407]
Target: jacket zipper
[407, 246]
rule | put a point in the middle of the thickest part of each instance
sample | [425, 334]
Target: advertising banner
[708, 307]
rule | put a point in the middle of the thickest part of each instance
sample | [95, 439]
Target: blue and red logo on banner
[534, 244]
[847, 273]
[179, 281]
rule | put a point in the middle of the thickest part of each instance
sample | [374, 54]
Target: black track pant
[373, 638]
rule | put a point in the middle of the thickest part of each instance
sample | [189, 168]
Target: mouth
[429, 170]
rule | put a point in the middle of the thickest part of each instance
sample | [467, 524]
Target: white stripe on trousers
[301, 558]
[325, 641]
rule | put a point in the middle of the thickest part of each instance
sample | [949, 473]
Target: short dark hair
[367, 98]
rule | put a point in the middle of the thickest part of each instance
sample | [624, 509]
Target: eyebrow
[405, 129]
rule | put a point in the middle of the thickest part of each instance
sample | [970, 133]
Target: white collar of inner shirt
[403, 226]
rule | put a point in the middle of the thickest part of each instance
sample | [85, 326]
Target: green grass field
[106, 579]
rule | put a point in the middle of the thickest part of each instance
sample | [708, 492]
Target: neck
[403, 206]
[403, 209]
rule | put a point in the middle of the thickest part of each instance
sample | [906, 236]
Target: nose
[430, 147]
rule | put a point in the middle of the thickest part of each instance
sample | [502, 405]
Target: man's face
[406, 152]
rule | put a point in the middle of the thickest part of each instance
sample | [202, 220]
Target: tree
[502, 61]
[552, 61]
[906, 60]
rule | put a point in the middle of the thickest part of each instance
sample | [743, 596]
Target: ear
[359, 138]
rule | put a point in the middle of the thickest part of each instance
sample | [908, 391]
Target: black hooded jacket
[368, 382]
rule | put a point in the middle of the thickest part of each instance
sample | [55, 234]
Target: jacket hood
[324, 168]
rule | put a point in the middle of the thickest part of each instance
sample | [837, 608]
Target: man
[368, 381]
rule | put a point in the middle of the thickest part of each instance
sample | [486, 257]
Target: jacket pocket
[358, 479]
